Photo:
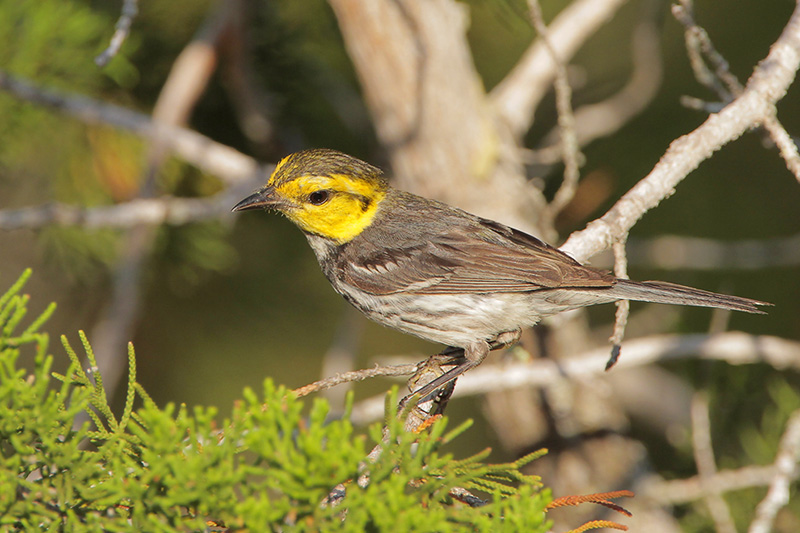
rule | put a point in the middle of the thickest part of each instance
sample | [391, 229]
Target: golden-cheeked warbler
[435, 271]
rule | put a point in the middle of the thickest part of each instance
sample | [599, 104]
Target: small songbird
[435, 271]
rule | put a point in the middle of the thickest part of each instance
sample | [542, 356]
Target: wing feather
[476, 256]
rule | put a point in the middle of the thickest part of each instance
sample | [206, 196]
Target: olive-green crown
[326, 162]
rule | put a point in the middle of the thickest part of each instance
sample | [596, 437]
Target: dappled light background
[227, 302]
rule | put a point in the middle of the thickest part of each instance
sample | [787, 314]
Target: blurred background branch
[222, 161]
[122, 29]
[187, 81]
[519, 94]
[122, 198]
[164, 210]
[706, 463]
[786, 471]
[675, 252]
[768, 84]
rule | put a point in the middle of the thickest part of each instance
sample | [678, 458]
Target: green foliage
[738, 441]
[53, 43]
[269, 468]
[47, 156]
[760, 443]
[52, 40]
[187, 255]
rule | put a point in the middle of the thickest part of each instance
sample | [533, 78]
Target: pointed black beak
[265, 198]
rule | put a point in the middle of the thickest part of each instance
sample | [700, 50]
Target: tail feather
[671, 293]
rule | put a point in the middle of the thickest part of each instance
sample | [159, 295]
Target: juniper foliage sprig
[266, 468]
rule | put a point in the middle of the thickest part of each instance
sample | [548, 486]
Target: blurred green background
[227, 303]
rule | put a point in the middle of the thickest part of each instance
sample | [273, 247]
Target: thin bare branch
[676, 492]
[570, 152]
[623, 306]
[355, 375]
[518, 95]
[595, 121]
[675, 252]
[785, 143]
[184, 86]
[690, 102]
[621, 258]
[229, 165]
[164, 210]
[718, 77]
[706, 464]
[777, 475]
[735, 348]
[768, 84]
[786, 471]
[122, 28]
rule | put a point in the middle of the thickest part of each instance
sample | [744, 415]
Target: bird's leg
[464, 359]
[474, 354]
[506, 338]
[448, 357]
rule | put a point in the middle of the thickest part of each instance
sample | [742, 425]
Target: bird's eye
[319, 197]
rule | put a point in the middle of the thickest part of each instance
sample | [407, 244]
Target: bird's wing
[486, 258]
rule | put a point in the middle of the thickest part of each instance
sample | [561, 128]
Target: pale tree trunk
[430, 108]
[446, 140]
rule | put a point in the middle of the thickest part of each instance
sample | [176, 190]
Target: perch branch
[735, 348]
[355, 375]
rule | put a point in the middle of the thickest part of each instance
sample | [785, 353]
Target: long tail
[671, 293]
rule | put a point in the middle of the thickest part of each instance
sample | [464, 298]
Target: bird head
[324, 192]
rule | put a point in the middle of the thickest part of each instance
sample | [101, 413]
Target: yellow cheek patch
[342, 219]
[350, 209]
